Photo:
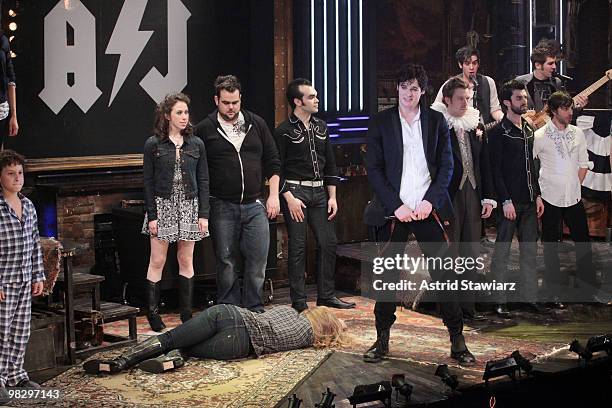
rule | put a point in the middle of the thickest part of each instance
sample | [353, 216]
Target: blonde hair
[327, 329]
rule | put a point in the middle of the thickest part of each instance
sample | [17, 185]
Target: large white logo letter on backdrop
[127, 41]
[62, 59]
[79, 59]
[156, 85]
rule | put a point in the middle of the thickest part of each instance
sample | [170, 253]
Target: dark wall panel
[222, 37]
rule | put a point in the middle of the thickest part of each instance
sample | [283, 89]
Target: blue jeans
[526, 227]
[240, 229]
[217, 333]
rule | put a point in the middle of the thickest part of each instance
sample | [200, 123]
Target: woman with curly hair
[227, 332]
[176, 200]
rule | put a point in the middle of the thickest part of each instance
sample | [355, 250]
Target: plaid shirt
[281, 328]
[20, 252]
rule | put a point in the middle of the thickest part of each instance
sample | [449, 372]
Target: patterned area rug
[423, 338]
[255, 383]
[414, 336]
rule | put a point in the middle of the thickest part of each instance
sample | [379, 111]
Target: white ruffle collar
[467, 122]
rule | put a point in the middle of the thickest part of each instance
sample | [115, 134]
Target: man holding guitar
[544, 80]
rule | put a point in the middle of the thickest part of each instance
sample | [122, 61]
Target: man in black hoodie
[240, 152]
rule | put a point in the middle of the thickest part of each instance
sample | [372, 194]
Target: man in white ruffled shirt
[562, 151]
[471, 187]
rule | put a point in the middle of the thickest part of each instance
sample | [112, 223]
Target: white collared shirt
[415, 174]
[561, 154]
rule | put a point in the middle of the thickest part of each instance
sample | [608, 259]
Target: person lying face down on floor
[227, 332]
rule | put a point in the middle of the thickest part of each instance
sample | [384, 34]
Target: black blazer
[384, 159]
[482, 166]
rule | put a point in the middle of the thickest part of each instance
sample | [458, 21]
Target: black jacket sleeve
[375, 165]
[438, 189]
[281, 144]
[486, 175]
[148, 173]
[270, 160]
[9, 70]
[496, 158]
[203, 183]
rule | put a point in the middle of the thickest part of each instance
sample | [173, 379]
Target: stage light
[12, 26]
[577, 348]
[398, 381]
[294, 402]
[447, 378]
[380, 391]
[13, 55]
[522, 362]
[326, 400]
[600, 343]
[11, 37]
[12, 13]
[499, 368]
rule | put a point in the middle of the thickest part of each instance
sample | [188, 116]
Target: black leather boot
[132, 356]
[166, 362]
[185, 293]
[380, 348]
[459, 350]
[153, 293]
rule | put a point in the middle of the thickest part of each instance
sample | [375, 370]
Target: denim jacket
[158, 172]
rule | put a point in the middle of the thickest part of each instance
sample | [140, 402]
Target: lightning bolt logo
[127, 41]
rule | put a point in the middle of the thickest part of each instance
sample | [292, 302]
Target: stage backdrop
[89, 72]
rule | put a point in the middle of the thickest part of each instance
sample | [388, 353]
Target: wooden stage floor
[419, 343]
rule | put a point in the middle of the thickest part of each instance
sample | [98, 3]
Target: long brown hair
[160, 124]
[328, 330]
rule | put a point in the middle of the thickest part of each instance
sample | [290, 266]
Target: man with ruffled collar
[471, 187]
[562, 150]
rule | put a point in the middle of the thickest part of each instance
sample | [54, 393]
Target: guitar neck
[594, 86]
[490, 125]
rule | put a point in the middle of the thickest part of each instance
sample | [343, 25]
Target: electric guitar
[540, 118]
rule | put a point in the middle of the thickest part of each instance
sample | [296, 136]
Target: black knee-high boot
[185, 293]
[153, 294]
[166, 362]
[149, 348]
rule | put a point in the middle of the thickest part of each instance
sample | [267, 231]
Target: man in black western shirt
[518, 193]
[308, 185]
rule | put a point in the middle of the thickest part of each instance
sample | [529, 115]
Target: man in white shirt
[561, 148]
[483, 87]
[410, 165]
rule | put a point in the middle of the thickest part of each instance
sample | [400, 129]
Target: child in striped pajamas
[21, 272]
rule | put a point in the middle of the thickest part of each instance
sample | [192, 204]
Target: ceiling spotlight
[12, 26]
[13, 55]
[577, 348]
[12, 13]
[499, 368]
[447, 378]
